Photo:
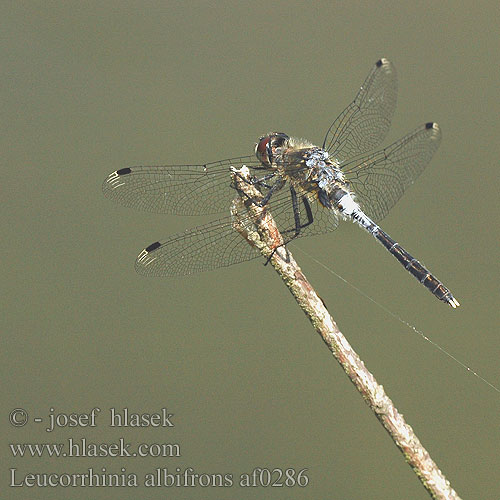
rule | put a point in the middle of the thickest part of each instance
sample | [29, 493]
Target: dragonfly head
[268, 146]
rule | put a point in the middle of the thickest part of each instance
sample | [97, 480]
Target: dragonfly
[307, 189]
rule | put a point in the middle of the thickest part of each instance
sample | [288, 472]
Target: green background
[91, 87]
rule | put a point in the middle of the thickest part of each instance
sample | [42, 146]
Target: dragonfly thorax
[322, 168]
[312, 171]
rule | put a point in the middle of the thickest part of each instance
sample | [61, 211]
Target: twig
[257, 226]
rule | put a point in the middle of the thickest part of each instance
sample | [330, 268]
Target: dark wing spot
[153, 246]
[124, 171]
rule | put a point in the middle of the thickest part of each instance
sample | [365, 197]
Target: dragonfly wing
[219, 244]
[363, 125]
[176, 189]
[203, 248]
[380, 179]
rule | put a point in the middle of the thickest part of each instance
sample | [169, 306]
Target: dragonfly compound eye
[268, 145]
[263, 150]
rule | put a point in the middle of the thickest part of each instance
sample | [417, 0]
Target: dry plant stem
[257, 226]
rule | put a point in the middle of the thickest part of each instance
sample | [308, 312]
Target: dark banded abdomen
[415, 268]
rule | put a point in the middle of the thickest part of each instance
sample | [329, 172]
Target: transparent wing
[198, 249]
[176, 189]
[380, 179]
[363, 125]
[218, 244]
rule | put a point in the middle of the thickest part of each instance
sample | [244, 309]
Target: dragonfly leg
[275, 187]
[309, 214]
[274, 251]
[261, 183]
[296, 215]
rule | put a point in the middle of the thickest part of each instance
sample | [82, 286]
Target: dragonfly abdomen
[348, 207]
[415, 268]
